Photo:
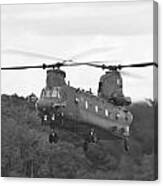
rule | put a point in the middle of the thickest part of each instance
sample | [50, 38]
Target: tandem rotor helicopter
[104, 116]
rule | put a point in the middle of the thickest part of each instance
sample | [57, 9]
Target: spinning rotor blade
[91, 52]
[32, 54]
[131, 75]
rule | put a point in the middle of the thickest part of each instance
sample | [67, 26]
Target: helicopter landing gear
[91, 138]
[126, 144]
[53, 137]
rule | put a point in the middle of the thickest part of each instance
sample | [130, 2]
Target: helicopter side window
[106, 113]
[86, 104]
[119, 83]
[76, 100]
[96, 108]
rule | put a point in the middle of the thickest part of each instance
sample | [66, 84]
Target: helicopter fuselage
[76, 110]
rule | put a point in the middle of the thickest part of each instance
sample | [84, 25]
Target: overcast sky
[114, 31]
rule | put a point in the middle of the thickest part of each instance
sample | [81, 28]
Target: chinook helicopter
[104, 116]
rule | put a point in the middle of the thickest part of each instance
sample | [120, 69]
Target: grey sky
[99, 31]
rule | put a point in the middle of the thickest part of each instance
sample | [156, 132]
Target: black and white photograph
[79, 86]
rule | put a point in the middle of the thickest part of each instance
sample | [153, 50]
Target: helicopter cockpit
[51, 99]
[55, 92]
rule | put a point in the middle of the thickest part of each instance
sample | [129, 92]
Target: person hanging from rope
[93, 136]
[53, 137]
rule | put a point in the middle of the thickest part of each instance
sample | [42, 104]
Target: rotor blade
[21, 67]
[111, 67]
[138, 65]
[32, 54]
[43, 66]
[82, 64]
[91, 63]
[131, 75]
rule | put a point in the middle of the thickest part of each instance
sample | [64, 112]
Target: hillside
[27, 153]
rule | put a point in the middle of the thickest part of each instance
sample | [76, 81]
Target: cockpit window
[56, 93]
[51, 93]
[48, 93]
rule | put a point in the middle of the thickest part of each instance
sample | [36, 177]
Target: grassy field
[25, 151]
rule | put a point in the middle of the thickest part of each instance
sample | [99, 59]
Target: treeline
[25, 151]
